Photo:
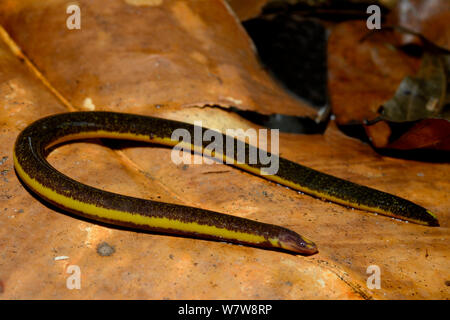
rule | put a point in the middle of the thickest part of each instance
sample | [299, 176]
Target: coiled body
[57, 188]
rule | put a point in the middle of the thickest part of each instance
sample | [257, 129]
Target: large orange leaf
[119, 73]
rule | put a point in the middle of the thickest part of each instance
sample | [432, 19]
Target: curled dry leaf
[424, 101]
[424, 95]
[408, 88]
[363, 74]
[429, 18]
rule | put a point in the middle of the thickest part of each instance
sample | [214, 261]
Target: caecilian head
[292, 241]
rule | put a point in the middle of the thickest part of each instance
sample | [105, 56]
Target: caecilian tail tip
[294, 242]
[432, 220]
[433, 223]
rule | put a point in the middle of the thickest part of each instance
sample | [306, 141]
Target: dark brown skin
[31, 147]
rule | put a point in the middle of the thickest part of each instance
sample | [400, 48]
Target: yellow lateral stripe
[112, 135]
[169, 142]
[156, 222]
[226, 160]
[432, 214]
[338, 200]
